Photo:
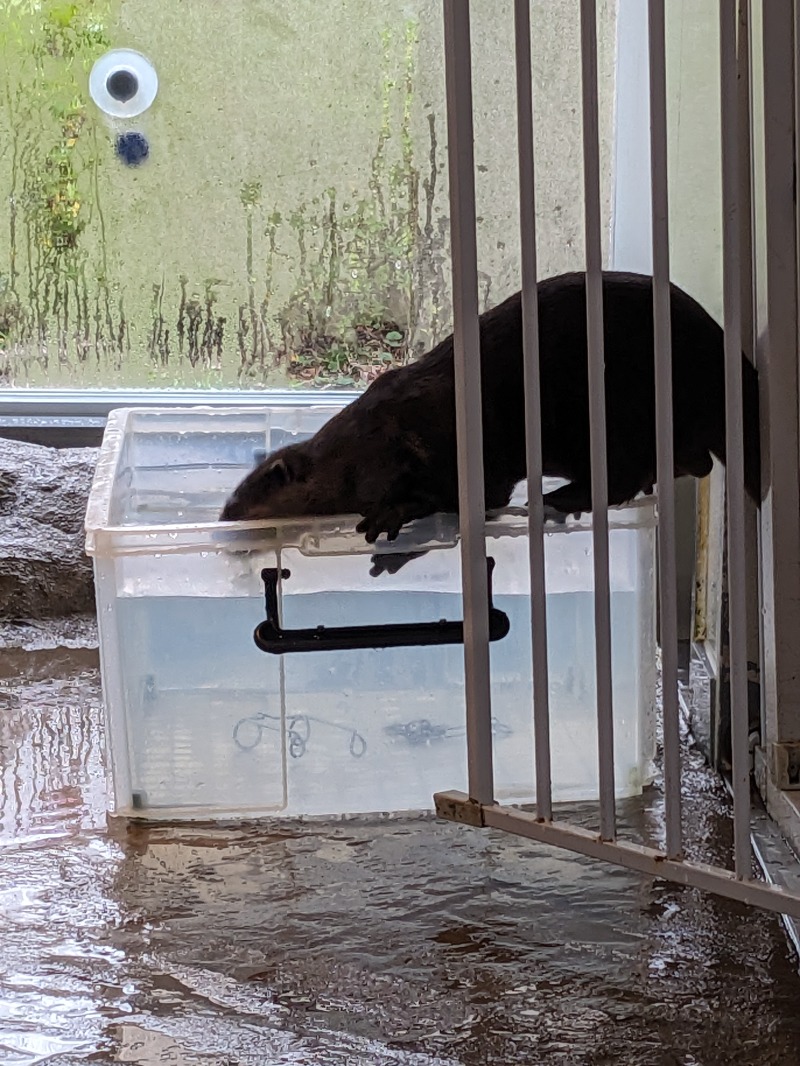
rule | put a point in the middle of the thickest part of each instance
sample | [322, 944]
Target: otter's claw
[553, 517]
[369, 529]
[388, 522]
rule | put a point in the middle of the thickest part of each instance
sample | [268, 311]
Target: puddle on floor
[408, 942]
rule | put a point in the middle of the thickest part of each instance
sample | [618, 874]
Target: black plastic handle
[269, 636]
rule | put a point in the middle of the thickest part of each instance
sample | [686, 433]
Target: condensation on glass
[278, 212]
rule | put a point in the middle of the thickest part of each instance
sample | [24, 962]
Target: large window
[279, 215]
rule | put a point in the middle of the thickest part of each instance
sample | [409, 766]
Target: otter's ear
[284, 469]
[274, 474]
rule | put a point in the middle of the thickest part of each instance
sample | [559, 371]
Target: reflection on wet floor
[403, 942]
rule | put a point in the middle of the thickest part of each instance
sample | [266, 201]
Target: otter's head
[284, 485]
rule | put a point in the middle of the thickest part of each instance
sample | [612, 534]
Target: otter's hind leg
[574, 498]
[697, 464]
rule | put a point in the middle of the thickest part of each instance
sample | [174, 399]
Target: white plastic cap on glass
[123, 83]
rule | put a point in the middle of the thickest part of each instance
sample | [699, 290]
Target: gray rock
[76, 632]
[44, 571]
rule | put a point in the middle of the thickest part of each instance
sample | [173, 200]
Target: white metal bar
[777, 362]
[665, 465]
[747, 298]
[734, 439]
[469, 427]
[746, 277]
[456, 806]
[597, 416]
[796, 14]
[533, 409]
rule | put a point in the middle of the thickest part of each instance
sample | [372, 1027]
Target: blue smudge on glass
[132, 148]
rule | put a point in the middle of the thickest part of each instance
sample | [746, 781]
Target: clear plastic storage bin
[203, 724]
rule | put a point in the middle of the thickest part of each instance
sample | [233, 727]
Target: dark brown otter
[390, 456]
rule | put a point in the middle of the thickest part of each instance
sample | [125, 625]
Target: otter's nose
[231, 512]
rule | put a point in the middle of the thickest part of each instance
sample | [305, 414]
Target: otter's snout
[233, 511]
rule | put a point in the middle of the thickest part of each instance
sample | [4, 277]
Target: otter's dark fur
[390, 456]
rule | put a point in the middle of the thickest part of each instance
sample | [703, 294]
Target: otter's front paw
[389, 521]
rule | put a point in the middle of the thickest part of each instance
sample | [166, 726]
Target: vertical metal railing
[778, 322]
[478, 808]
[734, 437]
[796, 138]
[533, 408]
[745, 165]
[662, 327]
[597, 416]
[469, 426]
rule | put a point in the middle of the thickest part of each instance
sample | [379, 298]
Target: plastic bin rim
[190, 538]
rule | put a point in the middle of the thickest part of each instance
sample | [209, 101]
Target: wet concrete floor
[407, 942]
